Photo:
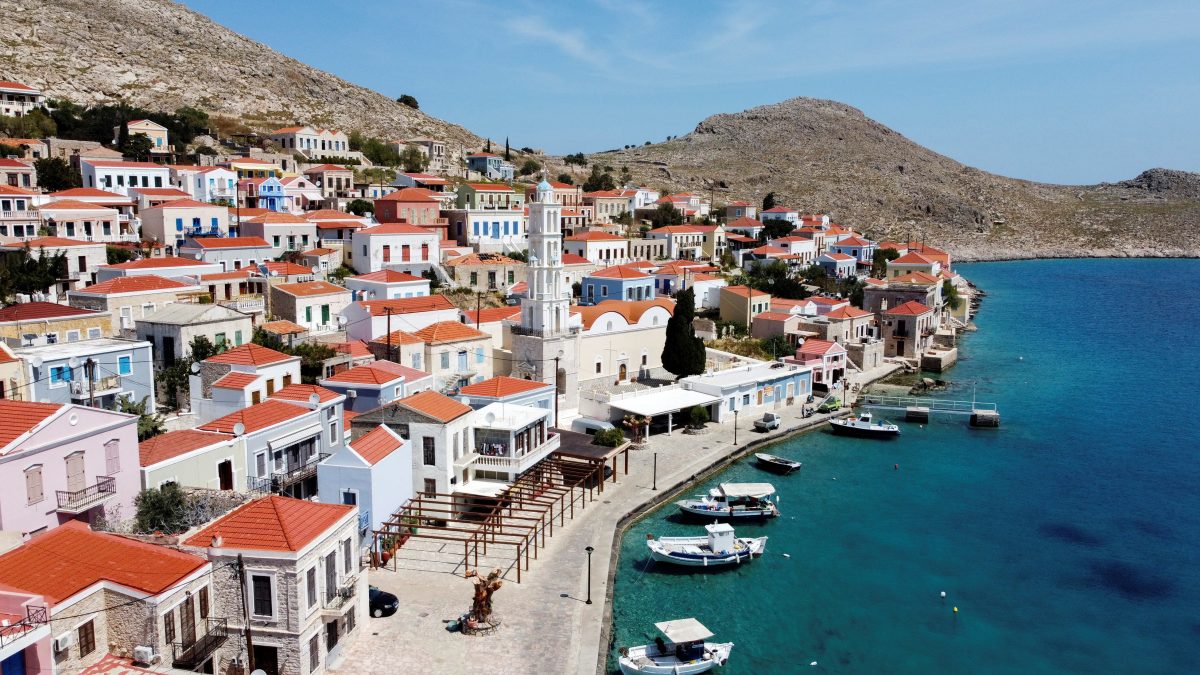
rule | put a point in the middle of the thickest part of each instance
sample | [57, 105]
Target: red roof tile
[283, 327]
[71, 557]
[619, 272]
[50, 242]
[818, 347]
[175, 443]
[398, 228]
[230, 242]
[367, 374]
[257, 417]
[154, 263]
[389, 277]
[435, 405]
[502, 386]
[147, 283]
[848, 313]
[36, 311]
[398, 337]
[355, 348]
[444, 332]
[595, 236]
[430, 303]
[491, 314]
[912, 258]
[249, 354]
[304, 392]
[910, 308]
[20, 417]
[306, 289]
[377, 444]
[272, 524]
[411, 194]
[236, 380]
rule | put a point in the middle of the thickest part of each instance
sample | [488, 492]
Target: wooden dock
[919, 408]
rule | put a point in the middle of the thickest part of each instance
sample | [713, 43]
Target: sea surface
[1068, 539]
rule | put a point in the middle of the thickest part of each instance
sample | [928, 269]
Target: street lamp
[589, 576]
[735, 422]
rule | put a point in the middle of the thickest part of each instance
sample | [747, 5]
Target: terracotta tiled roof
[329, 214]
[444, 332]
[398, 228]
[235, 380]
[389, 277]
[10, 84]
[318, 252]
[768, 250]
[848, 313]
[272, 524]
[912, 258]
[484, 259]
[50, 242]
[20, 417]
[838, 256]
[14, 164]
[283, 327]
[619, 272]
[339, 224]
[377, 444]
[304, 392]
[15, 191]
[502, 386]
[169, 192]
[325, 167]
[248, 212]
[774, 316]
[429, 303]
[398, 337]
[249, 354]
[438, 406]
[853, 241]
[818, 347]
[676, 229]
[257, 417]
[828, 302]
[490, 187]
[367, 374]
[307, 289]
[632, 310]
[72, 205]
[33, 311]
[355, 348]
[347, 417]
[230, 242]
[744, 222]
[146, 283]
[872, 281]
[595, 236]
[780, 209]
[910, 308]
[287, 269]
[923, 278]
[411, 194]
[69, 558]
[491, 314]
[409, 374]
[154, 263]
[175, 443]
[743, 291]
[575, 259]
[276, 218]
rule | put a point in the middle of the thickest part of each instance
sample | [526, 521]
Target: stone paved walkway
[547, 627]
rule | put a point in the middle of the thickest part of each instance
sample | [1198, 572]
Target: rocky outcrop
[160, 55]
[828, 157]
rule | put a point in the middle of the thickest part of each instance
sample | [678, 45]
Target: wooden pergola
[521, 516]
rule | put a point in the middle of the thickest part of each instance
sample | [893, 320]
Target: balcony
[101, 386]
[78, 501]
[341, 596]
[245, 303]
[190, 655]
[36, 618]
[21, 215]
[285, 478]
[517, 465]
[364, 521]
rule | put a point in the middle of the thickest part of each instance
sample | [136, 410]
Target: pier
[919, 408]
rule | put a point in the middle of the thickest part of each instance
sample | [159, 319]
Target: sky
[1060, 91]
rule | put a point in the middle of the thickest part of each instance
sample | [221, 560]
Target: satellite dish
[258, 671]
[316, 270]
[73, 419]
[489, 418]
[341, 320]
[73, 362]
[195, 367]
[36, 361]
[315, 398]
[239, 429]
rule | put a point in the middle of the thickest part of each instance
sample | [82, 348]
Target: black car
[382, 603]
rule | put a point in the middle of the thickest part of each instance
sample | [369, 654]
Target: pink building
[828, 360]
[65, 462]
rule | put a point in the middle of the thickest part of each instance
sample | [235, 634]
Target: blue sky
[1070, 92]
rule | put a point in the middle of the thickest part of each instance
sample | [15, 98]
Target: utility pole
[478, 305]
[556, 358]
[241, 575]
[89, 368]
[389, 332]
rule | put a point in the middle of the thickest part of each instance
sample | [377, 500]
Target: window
[333, 433]
[72, 336]
[87, 639]
[169, 626]
[745, 399]
[204, 602]
[275, 241]
[429, 450]
[430, 486]
[416, 361]
[314, 652]
[445, 359]
[125, 365]
[474, 278]
[604, 291]
[112, 457]
[512, 276]
[347, 556]
[33, 485]
[310, 583]
[219, 339]
[237, 338]
[348, 618]
[260, 591]
[479, 355]
[260, 462]
[60, 374]
[308, 314]
[599, 366]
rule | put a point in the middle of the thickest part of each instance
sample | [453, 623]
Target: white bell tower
[547, 308]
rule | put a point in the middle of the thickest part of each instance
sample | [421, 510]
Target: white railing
[512, 464]
[244, 304]
[28, 215]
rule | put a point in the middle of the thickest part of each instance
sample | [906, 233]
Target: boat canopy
[683, 630]
[747, 489]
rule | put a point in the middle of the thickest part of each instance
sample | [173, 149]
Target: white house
[231, 253]
[597, 247]
[283, 231]
[373, 471]
[368, 319]
[387, 285]
[395, 246]
[173, 221]
[119, 176]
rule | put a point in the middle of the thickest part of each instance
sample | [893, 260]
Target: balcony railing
[245, 304]
[341, 595]
[364, 520]
[35, 617]
[100, 386]
[519, 464]
[78, 501]
[283, 479]
[189, 655]
[20, 215]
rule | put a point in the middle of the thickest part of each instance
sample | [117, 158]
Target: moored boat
[864, 426]
[720, 547]
[733, 501]
[683, 652]
[776, 463]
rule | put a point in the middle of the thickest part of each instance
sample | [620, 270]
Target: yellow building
[739, 304]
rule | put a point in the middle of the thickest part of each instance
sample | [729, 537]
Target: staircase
[441, 274]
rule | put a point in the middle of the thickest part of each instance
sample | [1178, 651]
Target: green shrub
[610, 438]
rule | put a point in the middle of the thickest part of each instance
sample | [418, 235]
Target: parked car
[768, 422]
[831, 404]
[382, 603]
[589, 426]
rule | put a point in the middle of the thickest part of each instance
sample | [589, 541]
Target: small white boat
[683, 652]
[776, 463]
[733, 501]
[864, 426]
[719, 548]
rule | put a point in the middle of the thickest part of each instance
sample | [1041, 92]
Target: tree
[666, 214]
[777, 279]
[409, 100]
[149, 424]
[577, 159]
[769, 201]
[776, 346]
[599, 180]
[55, 173]
[137, 146]
[683, 353]
[489, 146]
[698, 416]
[774, 228]
[360, 206]
[22, 272]
[117, 255]
[531, 166]
[413, 160]
[507, 152]
[950, 295]
[566, 178]
[162, 510]
[610, 438]
[880, 260]
[313, 355]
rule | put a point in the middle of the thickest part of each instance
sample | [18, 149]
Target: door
[168, 350]
[324, 315]
[187, 621]
[14, 665]
[331, 581]
[462, 362]
[622, 375]
[266, 659]
[225, 475]
[75, 479]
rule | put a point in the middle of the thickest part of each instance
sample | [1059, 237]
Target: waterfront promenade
[547, 627]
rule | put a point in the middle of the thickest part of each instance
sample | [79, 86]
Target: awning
[747, 489]
[483, 488]
[683, 630]
[295, 437]
[661, 402]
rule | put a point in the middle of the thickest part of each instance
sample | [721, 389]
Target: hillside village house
[131, 298]
[315, 305]
[265, 193]
[119, 176]
[17, 173]
[313, 143]
[399, 347]
[616, 283]
[63, 462]
[19, 218]
[737, 210]
[387, 285]
[231, 253]
[600, 248]
[283, 231]
[144, 198]
[174, 221]
[908, 330]
[413, 205]
[157, 133]
[435, 184]
[489, 216]
[486, 271]
[912, 262]
[373, 472]
[59, 373]
[87, 618]
[455, 354]
[80, 258]
[436, 158]
[781, 213]
[377, 383]
[566, 194]
[739, 303]
[172, 329]
[621, 339]
[838, 265]
[89, 222]
[24, 148]
[397, 246]
[40, 323]
[238, 378]
[183, 270]
[303, 589]
[192, 458]
[491, 167]
[684, 242]
[753, 387]
[334, 181]
[827, 359]
[607, 205]
[369, 319]
[302, 195]
[18, 99]
[215, 184]
[504, 389]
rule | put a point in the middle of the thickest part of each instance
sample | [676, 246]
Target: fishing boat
[864, 426]
[684, 651]
[719, 548]
[734, 501]
[776, 463]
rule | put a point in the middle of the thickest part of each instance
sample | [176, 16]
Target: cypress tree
[507, 153]
[683, 352]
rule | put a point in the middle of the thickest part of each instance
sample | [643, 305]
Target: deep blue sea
[1069, 539]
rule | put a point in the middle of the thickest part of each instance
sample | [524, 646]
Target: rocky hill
[824, 156]
[160, 55]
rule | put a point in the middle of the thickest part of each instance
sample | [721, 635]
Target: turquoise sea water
[1069, 539]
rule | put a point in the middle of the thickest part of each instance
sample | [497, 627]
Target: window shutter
[33, 484]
